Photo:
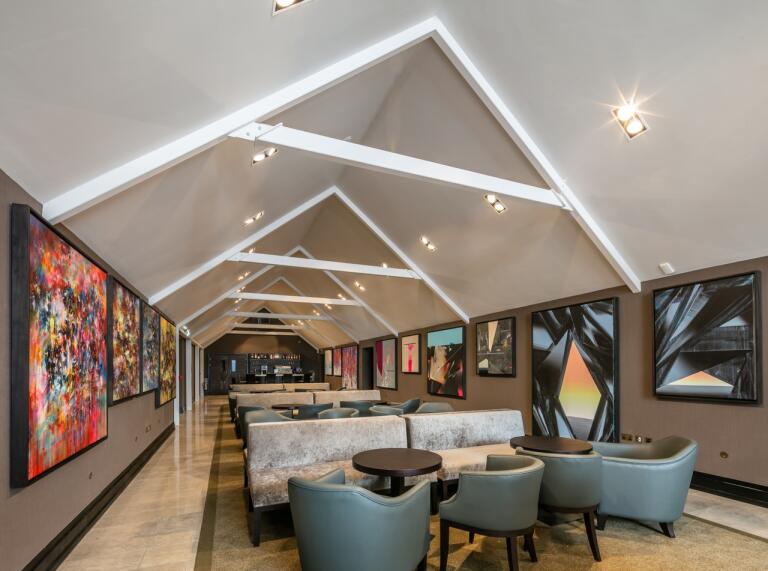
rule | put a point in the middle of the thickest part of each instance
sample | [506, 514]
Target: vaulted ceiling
[89, 88]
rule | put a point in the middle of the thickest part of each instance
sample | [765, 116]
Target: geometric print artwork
[575, 371]
[706, 340]
[446, 370]
[495, 356]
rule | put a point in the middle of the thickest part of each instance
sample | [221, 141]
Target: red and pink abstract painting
[349, 367]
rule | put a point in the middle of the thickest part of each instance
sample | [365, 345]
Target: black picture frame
[112, 281]
[394, 341]
[513, 348]
[615, 426]
[19, 357]
[402, 353]
[756, 338]
[463, 358]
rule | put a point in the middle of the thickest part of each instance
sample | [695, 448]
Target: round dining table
[397, 464]
[551, 444]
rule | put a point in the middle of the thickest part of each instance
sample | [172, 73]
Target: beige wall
[739, 430]
[31, 517]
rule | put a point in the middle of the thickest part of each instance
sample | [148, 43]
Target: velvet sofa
[336, 397]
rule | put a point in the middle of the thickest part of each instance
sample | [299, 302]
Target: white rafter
[280, 316]
[314, 264]
[289, 333]
[293, 298]
[268, 326]
[335, 321]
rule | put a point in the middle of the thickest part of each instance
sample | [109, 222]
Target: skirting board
[57, 550]
[733, 489]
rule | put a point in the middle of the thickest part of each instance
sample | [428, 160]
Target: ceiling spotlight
[282, 5]
[263, 155]
[248, 221]
[629, 119]
[424, 240]
[384, 265]
[357, 284]
[251, 250]
[430, 246]
[327, 306]
[270, 151]
[497, 204]
[362, 288]
[340, 296]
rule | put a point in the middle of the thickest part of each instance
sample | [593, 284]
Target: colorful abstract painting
[150, 352]
[410, 354]
[384, 360]
[337, 362]
[328, 362]
[64, 384]
[349, 367]
[496, 348]
[575, 370]
[126, 337]
[706, 340]
[167, 389]
[446, 370]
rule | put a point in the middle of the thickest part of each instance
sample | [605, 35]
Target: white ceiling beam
[268, 326]
[495, 104]
[403, 256]
[379, 160]
[314, 264]
[287, 333]
[133, 172]
[240, 246]
[293, 298]
[279, 315]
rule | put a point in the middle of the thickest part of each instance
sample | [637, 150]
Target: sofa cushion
[291, 387]
[337, 396]
[447, 430]
[471, 459]
[269, 399]
[257, 387]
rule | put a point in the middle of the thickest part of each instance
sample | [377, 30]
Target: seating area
[387, 285]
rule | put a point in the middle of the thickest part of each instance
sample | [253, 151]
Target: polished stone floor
[156, 522]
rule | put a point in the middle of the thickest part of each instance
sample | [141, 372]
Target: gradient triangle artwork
[579, 395]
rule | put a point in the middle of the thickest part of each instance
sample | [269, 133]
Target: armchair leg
[601, 521]
[589, 522]
[444, 531]
[512, 554]
[422, 564]
[443, 490]
[254, 527]
[529, 546]
[433, 500]
[471, 536]
[668, 529]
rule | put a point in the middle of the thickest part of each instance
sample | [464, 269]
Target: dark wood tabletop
[551, 444]
[290, 405]
[397, 462]
[372, 401]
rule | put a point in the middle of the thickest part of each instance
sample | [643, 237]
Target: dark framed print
[124, 343]
[349, 367]
[410, 354]
[706, 339]
[59, 333]
[337, 362]
[575, 364]
[150, 348]
[385, 364]
[495, 348]
[446, 358]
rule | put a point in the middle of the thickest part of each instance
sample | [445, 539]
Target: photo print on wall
[410, 354]
[384, 361]
[496, 348]
[446, 357]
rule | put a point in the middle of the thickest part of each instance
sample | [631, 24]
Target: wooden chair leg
[668, 529]
[601, 521]
[444, 531]
[529, 546]
[589, 522]
[512, 554]
[471, 536]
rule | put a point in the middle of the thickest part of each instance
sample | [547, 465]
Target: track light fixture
[429, 245]
[495, 203]
[629, 119]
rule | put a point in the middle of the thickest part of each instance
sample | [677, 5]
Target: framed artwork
[446, 357]
[167, 387]
[58, 360]
[328, 362]
[349, 367]
[125, 344]
[495, 345]
[150, 348]
[706, 340]
[384, 360]
[337, 362]
[410, 354]
[575, 371]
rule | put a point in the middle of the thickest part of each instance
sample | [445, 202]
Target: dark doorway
[225, 369]
[366, 369]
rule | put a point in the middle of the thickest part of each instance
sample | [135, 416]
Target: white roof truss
[278, 315]
[293, 298]
[313, 264]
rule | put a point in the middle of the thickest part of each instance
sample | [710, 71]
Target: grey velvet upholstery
[257, 387]
[269, 399]
[348, 528]
[319, 387]
[571, 481]
[409, 406]
[335, 397]
[339, 413]
[361, 406]
[433, 407]
[310, 411]
[504, 497]
[256, 417]
[241, 412]
[647, 482]
[383, 410]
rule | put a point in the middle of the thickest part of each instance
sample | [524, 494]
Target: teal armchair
[383, 410]
[363, 407]
[500, 502]
[348, 528]
[339, 413]
[432, 407]
[646, 482]
[408, 406]
[310, 411]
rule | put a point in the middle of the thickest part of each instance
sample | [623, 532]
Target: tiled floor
[155, 523]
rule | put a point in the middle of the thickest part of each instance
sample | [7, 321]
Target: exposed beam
[279, 315]
[268, 326]
[293, 298]
[240, 246]
[403, 256]
[336, 322]
[287, 333]
[379, 160]
[313, 264]
[129, 174]
[495, 104]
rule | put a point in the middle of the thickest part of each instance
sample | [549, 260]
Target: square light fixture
[629, 119]
[280, 6]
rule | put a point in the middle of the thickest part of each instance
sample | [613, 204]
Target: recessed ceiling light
[384, 265]
[362, 288]
[340, 296]
[327, 306]
[666, 268]
[497, 204]
[248, 221]
[263, 155]
[629, 119]
[282, 5]
[430, 246]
